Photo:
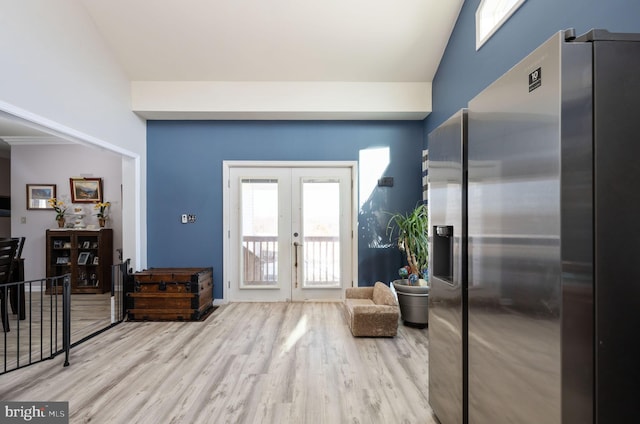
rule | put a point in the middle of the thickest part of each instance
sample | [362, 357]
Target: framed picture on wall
[38, 196]
[86, 190]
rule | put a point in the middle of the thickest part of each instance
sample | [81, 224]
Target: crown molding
[33, 140]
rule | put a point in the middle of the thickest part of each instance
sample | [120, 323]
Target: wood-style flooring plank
[247, 363]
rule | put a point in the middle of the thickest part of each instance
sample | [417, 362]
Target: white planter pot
[413, 302]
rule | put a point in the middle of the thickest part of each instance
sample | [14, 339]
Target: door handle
[295, 264]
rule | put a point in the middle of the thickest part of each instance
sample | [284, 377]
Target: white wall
[55, 164]
[58, 73]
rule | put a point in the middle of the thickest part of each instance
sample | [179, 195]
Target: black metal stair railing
[40, 323]
[120, 275]
[39, 327]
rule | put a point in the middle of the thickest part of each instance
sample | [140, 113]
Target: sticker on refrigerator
[535, 79]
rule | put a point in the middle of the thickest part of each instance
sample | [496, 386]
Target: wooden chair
[16, 293]
[8, 249]
[19, 247]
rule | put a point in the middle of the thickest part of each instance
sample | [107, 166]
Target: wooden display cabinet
[85, 254]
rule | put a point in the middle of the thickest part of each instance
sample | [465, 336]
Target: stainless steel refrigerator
[550, 302]
[447, 300]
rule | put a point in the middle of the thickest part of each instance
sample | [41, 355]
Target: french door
[290, 233]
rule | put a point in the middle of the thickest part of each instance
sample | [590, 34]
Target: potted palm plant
[410, 232]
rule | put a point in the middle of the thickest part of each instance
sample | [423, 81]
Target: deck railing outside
[260, 260]
[321, 260]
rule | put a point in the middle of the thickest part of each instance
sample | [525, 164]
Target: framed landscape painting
[38, 196]
[86, 190]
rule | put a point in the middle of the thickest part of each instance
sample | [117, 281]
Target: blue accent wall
[464, 72]
[184, 175]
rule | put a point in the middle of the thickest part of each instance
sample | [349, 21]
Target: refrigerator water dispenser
[442, 254]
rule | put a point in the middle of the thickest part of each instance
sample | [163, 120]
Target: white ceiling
[10, 128]
[277, 40]
[273, 40]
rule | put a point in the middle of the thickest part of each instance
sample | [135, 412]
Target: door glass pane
[321, 230]
[259, 217]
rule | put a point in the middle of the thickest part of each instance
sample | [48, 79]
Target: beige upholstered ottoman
[372, 311]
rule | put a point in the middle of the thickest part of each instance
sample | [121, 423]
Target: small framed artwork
[62, 260]
[86, 190]
[96, 260]
[38, 196]
[83, 258]
[86, 244]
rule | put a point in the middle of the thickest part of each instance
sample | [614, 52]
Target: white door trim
[226, 202]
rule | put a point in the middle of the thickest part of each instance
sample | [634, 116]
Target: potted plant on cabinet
[102, 208]
[410, 232]
[60, 208]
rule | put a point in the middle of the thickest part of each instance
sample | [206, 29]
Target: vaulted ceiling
[276, 40]
[352, 41]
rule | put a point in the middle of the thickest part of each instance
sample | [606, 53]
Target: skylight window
[490, 16]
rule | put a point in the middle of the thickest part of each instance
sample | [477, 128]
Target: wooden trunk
[170, 294]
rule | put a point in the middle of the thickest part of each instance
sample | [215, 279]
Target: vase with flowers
[60, 208]
[102, 208]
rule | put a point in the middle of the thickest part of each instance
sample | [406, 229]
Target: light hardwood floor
[247, 363]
